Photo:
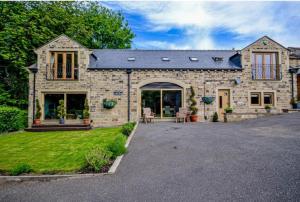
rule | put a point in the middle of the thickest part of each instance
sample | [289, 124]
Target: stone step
[45, 129]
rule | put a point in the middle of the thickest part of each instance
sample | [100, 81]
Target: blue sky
[209, 25]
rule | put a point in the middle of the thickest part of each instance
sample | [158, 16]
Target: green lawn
[52, 152]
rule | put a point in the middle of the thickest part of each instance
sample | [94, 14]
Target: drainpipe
[34, 71]
[128, 71]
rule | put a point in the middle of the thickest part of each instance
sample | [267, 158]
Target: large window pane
[75, 106]
[267, 66]
[51, 104]
[151, 99]
[171, 102]
[59, 66]
[69, 65]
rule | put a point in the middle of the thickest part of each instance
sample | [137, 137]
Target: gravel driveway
[254, 160]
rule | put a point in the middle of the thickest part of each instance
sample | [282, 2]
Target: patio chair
[168, 111]
[181, 115]
[147, 115]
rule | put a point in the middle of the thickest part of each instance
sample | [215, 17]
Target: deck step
[58, 127]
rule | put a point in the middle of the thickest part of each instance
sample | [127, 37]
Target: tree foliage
[25, 26]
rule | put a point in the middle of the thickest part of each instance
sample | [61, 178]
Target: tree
[25, 26]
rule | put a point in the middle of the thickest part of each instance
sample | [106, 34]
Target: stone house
[245, 80]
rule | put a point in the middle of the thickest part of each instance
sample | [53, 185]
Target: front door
[224, 101]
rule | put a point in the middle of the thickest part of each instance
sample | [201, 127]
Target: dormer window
[265, 66]
[63, 66]
[131, 59]
[217, 59]
[165, 59]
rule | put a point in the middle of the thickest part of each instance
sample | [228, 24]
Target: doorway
[164, 99]
[223, 101]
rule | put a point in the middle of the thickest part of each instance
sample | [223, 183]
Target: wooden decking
[58, 127]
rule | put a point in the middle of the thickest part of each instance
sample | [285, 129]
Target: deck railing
[266, 72]
[60, 71]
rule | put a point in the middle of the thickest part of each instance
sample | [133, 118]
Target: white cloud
[199, 20]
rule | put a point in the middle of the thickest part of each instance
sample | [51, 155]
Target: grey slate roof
[152, 59]
[294, 52]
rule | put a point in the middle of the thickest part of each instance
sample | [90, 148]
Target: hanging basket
[109, 104]
[208, 100]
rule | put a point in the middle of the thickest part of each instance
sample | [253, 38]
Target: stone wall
[112, 84]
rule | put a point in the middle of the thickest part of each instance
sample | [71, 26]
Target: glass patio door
[151, 99]
[171, 102]
[164, 99]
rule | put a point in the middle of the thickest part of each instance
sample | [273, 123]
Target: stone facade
[100, 84]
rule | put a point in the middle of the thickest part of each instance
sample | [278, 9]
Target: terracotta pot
[194, 118]
[37, 121]
[86, 121]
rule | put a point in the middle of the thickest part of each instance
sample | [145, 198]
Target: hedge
[12, 119]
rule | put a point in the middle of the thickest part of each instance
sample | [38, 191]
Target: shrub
[193, 106]
[38, 109]
[128, 128]
[86, 110]
[20, 169]
[96, 159]
[117, 147]
[61, 112]
[12, 119]
[215, 117]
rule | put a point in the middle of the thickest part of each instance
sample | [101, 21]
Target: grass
[52, 152]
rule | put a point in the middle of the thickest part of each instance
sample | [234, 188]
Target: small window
[131, 59]
[269, 98]
[255, 99]
[165, 59]
[194, 59]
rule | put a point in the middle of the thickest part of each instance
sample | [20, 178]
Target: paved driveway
[255, 160]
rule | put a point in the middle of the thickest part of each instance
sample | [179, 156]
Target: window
[131, 59]
[63, 66]
[194, 59]
[268, 98]
[165, 59]
[261, 99]
[255, 99]
[265, 66]
[74, 104]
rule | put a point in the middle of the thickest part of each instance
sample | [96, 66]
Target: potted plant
[193, 106]
[37, 120]
[61, 111]
[268, 108]
[109, 103]
[86, 113]
[228, 110]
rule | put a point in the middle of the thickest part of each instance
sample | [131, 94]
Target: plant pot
[37, 121]
[268, 110]
[61, 121]
[86, 121]
[194, 118]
